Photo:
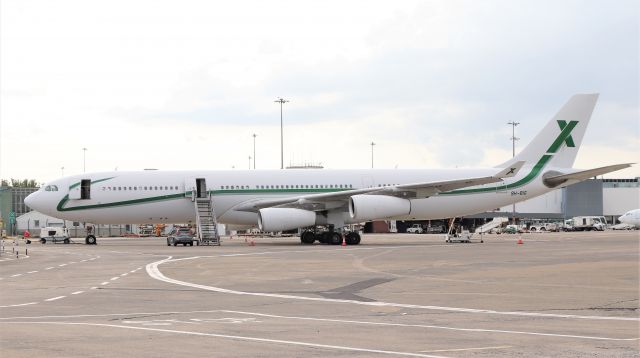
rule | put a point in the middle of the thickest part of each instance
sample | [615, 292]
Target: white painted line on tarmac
[77, 292]
[61, 265]
[243, 338]
[72, 262]
[124, 274]
[432, 326]
[93, 288]
[49, 268]
[105, 283]
[154, 272]
[20, 305]
[54, 298]
[465, 349]
[32, 271]
[115, 278]
[16, 275]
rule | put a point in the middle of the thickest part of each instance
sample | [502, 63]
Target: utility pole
[249, 162]
[281, 101]
[84, 160]
[254, 151]
[372, 144]
[513, 141]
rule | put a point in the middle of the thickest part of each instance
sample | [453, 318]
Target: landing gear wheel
[307, 237]
[175, 244]
[333, 238]
[66, 241]
[353, 238]
[43, 241]
[90, 240]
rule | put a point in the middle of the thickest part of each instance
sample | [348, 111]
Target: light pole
[254, 150]
[84, 160]
[513, 140]
[513, 135]
[249, 162]
[281, 101]
[372, 144]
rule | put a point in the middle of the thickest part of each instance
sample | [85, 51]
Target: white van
[54, 234]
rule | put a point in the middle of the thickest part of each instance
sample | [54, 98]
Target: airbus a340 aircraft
[276, 200]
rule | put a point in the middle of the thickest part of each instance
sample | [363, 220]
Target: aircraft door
[81, 191]
[195, 188]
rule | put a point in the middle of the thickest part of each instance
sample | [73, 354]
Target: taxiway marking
[464, 349]
[243, 338]
[321, 319]
[20, 305]
[55, 298]
[154, 272]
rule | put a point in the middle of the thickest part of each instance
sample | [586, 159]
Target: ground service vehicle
[588, 223]
[54, 234]
[415, 229]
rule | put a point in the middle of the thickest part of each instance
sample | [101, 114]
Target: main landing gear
[90, 240]
[330, 237]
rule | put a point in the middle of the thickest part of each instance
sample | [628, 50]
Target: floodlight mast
[281, 101]
[513, 140]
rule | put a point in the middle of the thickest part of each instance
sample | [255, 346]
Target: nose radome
[30, 200]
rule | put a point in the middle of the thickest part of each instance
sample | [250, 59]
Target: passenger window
[47, 188]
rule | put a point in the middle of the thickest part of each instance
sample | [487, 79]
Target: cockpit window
[51, 188]
[47, 188]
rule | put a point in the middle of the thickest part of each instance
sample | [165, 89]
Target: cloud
[433, 83]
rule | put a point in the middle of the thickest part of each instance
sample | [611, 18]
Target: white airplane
[276, 200]
[631, 218]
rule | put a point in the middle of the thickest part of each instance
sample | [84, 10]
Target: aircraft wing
[325, 201]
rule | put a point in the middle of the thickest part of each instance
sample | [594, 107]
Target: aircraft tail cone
[344, 243]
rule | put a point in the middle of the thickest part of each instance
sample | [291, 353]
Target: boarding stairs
[206, 221]
[498, 221]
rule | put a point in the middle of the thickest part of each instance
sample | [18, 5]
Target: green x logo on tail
[564, 137]
[569, 139]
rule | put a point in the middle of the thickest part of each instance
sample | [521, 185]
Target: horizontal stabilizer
[554, 179]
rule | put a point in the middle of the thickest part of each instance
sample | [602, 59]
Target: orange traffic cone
[520, 242]
[344, 243]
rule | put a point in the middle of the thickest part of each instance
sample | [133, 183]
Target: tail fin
[560, 139]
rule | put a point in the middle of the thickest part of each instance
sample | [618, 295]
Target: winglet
[511, 170]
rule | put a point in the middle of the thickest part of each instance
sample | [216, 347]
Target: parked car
[184, 237]
[436, 229]
[415, 229]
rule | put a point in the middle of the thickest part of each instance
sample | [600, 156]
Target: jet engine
[371, 207]
[280, 219]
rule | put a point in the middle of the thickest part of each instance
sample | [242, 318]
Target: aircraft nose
[30, 200]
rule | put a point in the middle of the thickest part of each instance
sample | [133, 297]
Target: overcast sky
[185, 84]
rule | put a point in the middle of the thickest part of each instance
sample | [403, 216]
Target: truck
[588, 223]
[415, 229]
[54, 234]
[542, 227]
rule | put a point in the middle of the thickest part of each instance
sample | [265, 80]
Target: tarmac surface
[555, 295]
